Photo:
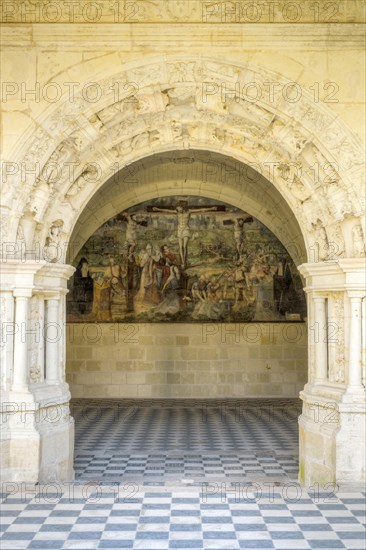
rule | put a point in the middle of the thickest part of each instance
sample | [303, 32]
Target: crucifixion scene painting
[184, 259]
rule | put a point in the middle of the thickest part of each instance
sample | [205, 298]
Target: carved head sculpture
[56, 227]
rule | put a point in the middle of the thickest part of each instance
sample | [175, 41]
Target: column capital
[346, 274]
[19, 274]
[58, 270]
[322, 276]
[52, 279]
[354, 274]
[23, 293]
[319, 268]
[352, 265]
[356, 295]
[317, 297]
[51, 296]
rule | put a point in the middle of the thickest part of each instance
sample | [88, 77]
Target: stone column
[355, 344]
[20, 367]
[363, 338]
[41, 349]
[321, 340]
[52, 341]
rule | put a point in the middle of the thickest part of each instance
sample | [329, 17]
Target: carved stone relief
[162, 116]
[358, 241]
[4, 317]
[336, 242]
[338, 203]
[336, 337]
[53, 249]
[34, 341]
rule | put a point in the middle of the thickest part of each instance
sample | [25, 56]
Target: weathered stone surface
[262, 109]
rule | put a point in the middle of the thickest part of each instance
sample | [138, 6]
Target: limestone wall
[186, 360]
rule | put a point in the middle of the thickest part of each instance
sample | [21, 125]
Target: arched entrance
[180, 104]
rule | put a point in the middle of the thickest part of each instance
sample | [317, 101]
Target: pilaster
[37, 429]
[332, 423]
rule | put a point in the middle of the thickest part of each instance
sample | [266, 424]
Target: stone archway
[194, 172]
[301, 146]
[177, 104]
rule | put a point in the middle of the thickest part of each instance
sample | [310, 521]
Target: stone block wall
[186, 360]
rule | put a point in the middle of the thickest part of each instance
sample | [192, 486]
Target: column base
[351, 439]
[57, 454]
[354, 394]
[332, 432]
[317, 453]
[37, 437]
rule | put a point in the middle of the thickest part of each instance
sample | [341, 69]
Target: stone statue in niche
[20, 238]
[335, 242]
[320, 243]
[358, 242]
[54, 241]
[184, 259]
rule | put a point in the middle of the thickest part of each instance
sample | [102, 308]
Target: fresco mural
[184, 259]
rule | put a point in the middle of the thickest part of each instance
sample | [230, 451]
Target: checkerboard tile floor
[188, 425]
[168, 475]
[213, 517]
[162, 442]
[163, 468]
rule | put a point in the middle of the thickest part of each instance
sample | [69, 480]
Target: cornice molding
[107, 37]
[208, 12]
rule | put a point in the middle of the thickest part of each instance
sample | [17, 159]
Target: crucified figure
[131, 230]
[239, 233]
[183, 215]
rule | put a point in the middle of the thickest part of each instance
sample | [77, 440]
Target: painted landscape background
[184, 259]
